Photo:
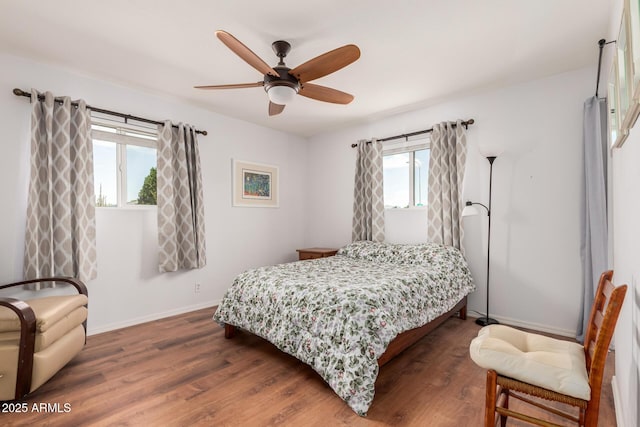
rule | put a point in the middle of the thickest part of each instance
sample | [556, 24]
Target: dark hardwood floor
[181, 371]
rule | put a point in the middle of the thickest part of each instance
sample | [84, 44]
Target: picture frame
[622, 103]
[255, 185]
[633, 8]
[628, 107]
[624, 81]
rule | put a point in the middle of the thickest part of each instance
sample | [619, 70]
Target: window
[124, 163]
[406, 174]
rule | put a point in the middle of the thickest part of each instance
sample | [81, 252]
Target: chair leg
[490, 399]
[505, 403]
[590, 415]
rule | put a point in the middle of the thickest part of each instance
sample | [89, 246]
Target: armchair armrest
[79, 285]
[27, 343]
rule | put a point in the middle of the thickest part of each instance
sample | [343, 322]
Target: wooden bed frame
[403, 340]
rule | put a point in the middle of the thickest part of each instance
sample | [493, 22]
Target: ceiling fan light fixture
[281, 94]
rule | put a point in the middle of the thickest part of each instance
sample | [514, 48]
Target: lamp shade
[470, 210]
[491, 150]
[281, 95]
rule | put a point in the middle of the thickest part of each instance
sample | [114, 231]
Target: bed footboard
[408, 338]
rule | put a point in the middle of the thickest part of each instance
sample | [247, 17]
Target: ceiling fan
[282, 83]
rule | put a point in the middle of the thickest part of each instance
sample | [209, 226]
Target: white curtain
[593, 218]
[181, 233]
[448, 156]
[60, 238]
[368, 195]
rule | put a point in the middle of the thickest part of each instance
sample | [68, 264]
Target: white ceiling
[413, 52]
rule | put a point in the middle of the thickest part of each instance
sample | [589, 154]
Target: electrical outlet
[196, 288]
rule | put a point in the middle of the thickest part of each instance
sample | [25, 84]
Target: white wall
[626, 253]
[535, 241]
[129, 288]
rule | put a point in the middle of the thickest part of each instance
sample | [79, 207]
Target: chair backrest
[602, 322]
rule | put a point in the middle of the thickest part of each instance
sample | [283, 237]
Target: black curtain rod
[420, 132]
[601, 44]
[20, 92]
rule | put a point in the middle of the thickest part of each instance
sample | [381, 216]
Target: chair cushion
[52, 334]
[534, 359]
[48, 311]
[49, 361]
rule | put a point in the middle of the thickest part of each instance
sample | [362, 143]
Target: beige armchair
[39, 336]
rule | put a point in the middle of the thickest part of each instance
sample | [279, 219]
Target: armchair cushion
[53, 332]
[535, 359]
[49, 361]
[48, 311]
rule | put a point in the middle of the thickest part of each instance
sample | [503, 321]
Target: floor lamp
[469, 210]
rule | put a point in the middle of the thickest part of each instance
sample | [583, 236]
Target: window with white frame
[406, 174]
[124, 163]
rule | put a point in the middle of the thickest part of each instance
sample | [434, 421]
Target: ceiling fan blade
[326, 94]
[245, 53]
[326, 63]
[232, 86]
[275, 108]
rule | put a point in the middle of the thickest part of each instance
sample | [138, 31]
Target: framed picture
[624, 81]
[255, 185]
[633, 9]
[628, 108]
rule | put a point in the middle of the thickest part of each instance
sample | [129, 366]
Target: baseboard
[617, 403]
[529, 325]
[150, 318]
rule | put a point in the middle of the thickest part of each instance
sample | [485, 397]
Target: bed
[348, 314]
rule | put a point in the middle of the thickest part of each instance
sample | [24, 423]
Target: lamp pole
[486, 320]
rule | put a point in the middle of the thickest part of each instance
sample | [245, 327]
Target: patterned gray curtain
[446, 174]
[368, 195]
[60, 238]
[180, 200]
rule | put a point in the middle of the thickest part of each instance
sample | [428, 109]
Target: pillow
[397, 253]
[366, 249]
[416, 254]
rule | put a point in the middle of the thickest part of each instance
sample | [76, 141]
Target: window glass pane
[141, 175]
[396, 180]
[421, 177]
[105, 179]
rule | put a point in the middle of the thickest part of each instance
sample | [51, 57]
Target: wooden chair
[39, 336]
[568, 372]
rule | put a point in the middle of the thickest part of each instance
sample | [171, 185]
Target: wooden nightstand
[311, 253]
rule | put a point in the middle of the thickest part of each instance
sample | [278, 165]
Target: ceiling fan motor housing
[285, 79]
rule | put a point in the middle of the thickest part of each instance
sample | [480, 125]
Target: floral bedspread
[338, 314]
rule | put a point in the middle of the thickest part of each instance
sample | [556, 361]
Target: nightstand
[311, 253]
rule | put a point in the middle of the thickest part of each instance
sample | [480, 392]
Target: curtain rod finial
[18, 92]
[601, 42]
